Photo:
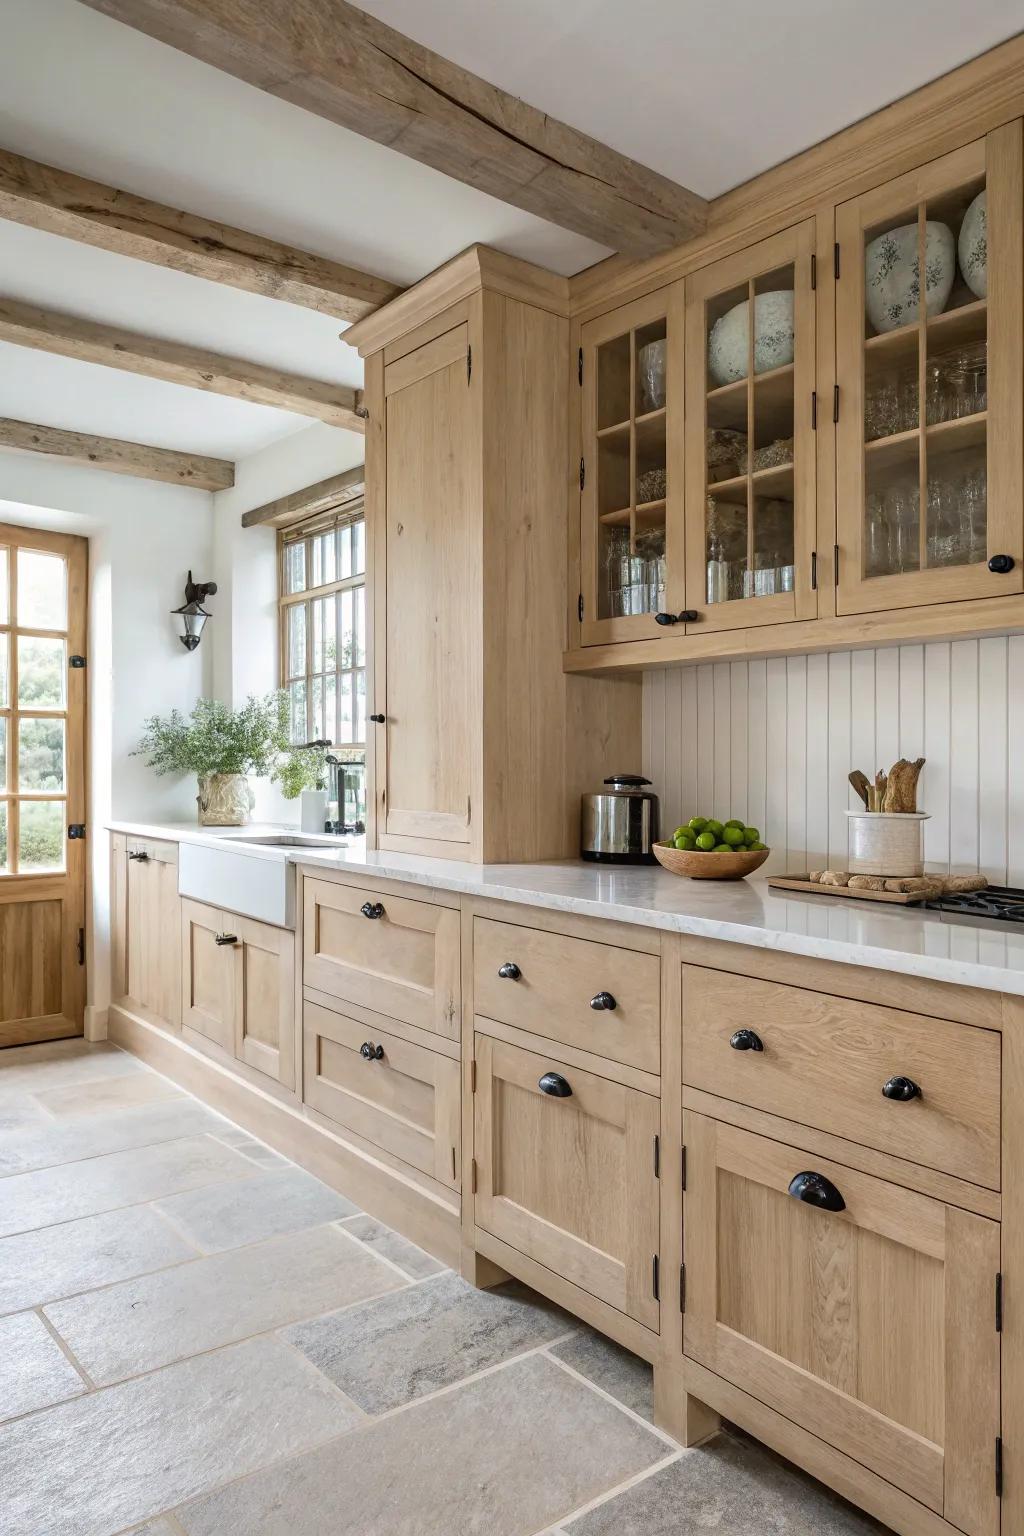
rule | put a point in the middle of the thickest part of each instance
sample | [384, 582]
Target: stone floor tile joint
[616, 1402]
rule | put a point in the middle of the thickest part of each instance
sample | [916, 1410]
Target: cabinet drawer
[825, 1061]
[404, 1099]
[551, 983]
[392, 954]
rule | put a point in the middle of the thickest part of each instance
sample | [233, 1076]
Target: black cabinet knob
[372, 909]
[1001, 565]
[666, 618]
[902, 1089]
[377, 719]
[555, 1084]
[509, 971]
[370, 1052]
[140, 858]
[225, 938]
[604, 1002]
[746, 1040]
[815, 1189]
[688, 616]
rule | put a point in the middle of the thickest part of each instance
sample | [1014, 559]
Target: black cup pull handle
[1001, 565]
[688, 616]
[509, 971]
[140, 858]
[902, 1089]
[377, 719]
[746, 1040]
[815, 1189]
[372, 909]
[604, 1002]
[225, 938]
[370, 1052]
[555, 1084]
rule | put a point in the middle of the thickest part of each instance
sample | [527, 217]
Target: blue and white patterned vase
[892, 279]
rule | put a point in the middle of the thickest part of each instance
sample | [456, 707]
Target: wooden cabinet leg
[481, 1272]
[677, 1412]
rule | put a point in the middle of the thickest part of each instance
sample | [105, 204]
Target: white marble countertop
[905, 939]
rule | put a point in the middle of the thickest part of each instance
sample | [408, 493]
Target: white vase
[886, 842]
[728, 344]
[972, 247]
[313, 812]
[892, 278]
[224, 800]
[651, 368]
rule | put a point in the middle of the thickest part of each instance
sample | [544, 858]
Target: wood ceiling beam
[336, 491]
[46, 198]
[119, 457]
[26, 326]
[334, 60]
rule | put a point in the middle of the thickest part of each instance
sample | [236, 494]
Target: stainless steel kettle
[620, 824]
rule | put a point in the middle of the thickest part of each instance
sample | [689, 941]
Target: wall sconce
[193, 614]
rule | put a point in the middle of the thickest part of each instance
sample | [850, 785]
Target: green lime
[706, 841]
[732, 835]
[723, 848]
[698, 823]
[685, 844]
[715, 827]
[751, 835]
[679, 831]
[735, 823]
[757, 848]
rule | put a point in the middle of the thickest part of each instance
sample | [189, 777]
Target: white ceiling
[708, 91]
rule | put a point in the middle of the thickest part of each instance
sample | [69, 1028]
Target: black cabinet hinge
[814, 410]
[999, 1303]
[835, 563]
[684, 1169]
[76, 661]
[835, 261]
[657, 1157]
[472, 1168]
[81, 946]
[654, 1279]
[579, 367]
[583, 474]
[472, 1077]
[814, 272]
[76, 831]
[682, 1287]
[579, 608]
[999, 1466]
[835, 403]
[469, 364]
[814, 570]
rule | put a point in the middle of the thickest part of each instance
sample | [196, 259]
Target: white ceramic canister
[313, 810]
[887, 842]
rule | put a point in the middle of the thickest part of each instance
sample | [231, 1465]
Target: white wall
[773, 741]
[142, 539]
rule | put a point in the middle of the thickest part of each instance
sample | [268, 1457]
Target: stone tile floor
[198, 1337]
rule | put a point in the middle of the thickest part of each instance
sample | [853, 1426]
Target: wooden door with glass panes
[750, 456]
[631, 484]
[929, 408]
[42, 784]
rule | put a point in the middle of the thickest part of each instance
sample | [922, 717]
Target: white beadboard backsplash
[773, 740]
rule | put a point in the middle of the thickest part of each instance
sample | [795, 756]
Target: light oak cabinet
[566, 1173]
[861, 1310]
[146, 952]
[237, 985]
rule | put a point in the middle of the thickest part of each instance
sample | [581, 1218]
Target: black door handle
[225, 938]
[370, 1052]
[902, 1089]
[509, 971]
[688, 616]
[555, 1084]
[604, 1001]
[746, 1040]
[815, 1189]
[1001, 565]
[377, 719]
[140, 858]
[372, 909]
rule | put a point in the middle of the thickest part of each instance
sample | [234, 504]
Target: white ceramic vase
[887, 843]
[728, 343]
[892, 279]
[651, 367]
[972, 247]
[313, 810]
[224, 800]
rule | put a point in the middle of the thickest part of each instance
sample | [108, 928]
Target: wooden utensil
[860, 783]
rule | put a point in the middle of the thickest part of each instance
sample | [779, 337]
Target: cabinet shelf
[651, 514]
[774, 481]
[616, 428]
[901, 449]
[967, 322]
[952, 436]
[617, 519]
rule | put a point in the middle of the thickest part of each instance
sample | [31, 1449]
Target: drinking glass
[904, 514]
[878, 547]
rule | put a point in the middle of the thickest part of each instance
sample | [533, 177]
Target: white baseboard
[95, 1023]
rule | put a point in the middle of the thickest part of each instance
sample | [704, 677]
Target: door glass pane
[40, 672]
[5, 586]
[347, 647]
[297, 640]
[331, 706]
[41, 835]
[4, 861]
[42, 590]
[3, 753]
[295, 566]
[5, 651]
[359, 627]
[359, 714]
[40, 754]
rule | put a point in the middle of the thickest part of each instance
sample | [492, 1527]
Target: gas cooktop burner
[1003, 903]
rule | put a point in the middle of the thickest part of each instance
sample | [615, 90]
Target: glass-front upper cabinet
[631, 484]
[750, 455]
[928, 431]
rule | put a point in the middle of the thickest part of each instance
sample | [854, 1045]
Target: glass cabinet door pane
[41, 836]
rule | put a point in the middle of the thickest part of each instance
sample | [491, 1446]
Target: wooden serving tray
[894, 898]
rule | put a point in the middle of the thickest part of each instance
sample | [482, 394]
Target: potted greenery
[221, 747]
[303, 771]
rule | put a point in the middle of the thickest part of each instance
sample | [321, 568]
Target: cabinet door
[264, 995]
[871, 1325]
[929, 425]
[631, 484]
[750, 454]
[208, 973]
[389, 1090]
[566, 1173]
[147, 960]
[430, 664]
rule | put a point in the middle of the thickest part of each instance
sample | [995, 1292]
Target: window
[323, 637]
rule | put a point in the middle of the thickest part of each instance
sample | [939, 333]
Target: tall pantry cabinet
[480, 745]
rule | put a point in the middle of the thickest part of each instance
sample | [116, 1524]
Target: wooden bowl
[710, 866]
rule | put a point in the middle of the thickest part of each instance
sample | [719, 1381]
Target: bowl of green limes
[707, 849]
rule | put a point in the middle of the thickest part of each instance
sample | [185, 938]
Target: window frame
[343, 514]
